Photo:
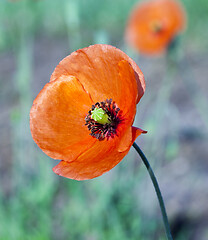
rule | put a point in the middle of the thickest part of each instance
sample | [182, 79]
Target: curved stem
[157, 190]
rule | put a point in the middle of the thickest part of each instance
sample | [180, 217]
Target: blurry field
[36, 204]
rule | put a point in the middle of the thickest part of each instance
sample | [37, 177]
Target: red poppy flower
[154, 24]
[84, 115]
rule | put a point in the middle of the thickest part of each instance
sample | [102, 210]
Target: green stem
[157, 190]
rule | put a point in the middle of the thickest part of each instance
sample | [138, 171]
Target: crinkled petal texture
[97, 68]
[168, 15]
[57, 117]
[95, 161]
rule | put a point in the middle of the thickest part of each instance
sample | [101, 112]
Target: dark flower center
[156, 26]
[103, 119]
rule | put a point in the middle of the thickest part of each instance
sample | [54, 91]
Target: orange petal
[101, 158]
[126, 140]
[97, 69]
[127, 89]
[57, 119]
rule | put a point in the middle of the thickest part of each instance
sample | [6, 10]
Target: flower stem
[157, 190]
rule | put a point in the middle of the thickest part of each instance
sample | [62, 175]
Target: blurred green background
[36, 204]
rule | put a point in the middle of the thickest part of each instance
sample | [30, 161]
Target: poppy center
[156, 26]
[99, 115]
[103, 119]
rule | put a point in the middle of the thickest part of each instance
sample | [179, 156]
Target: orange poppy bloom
[84, 115]
[153, 25]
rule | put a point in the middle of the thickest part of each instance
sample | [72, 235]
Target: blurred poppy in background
[84, 116]
[154, 24]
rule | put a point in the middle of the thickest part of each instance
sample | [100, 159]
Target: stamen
[103, 119]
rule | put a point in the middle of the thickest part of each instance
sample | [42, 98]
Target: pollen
[103, 119]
